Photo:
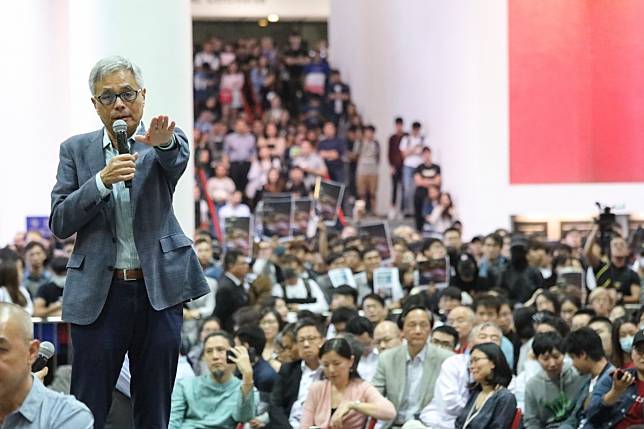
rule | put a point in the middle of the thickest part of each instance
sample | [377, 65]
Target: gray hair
[12, 313]
[478, 328]
[110, 65]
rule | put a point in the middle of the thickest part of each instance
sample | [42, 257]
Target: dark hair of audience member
[449, 330]
[253, 336]
[230, 258]
[556, 322]
[551, 297]
[587, 311]
[584, 340]
[223, 334]
[411, 307]
[343, 349]
[305, 322]
[501, 374]
[523, 322]
[496, 238]
[270, 310]
[618, 352]
[209, 319]
[359, 325]
[375, 297]
[547, 342]
[346, 290]
[10, 279]
[245, 316]
[573, 299]
[343, 315]
[451, 292]
[487, 301]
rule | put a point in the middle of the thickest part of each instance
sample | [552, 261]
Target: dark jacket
[285, 391]
[578, 418]
[497, 412]
[603, 416]
[229, 299]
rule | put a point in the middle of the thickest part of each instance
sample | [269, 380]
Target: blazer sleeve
[224, 306]
[174, 161]
[379, 380]
[277, 413]
[505, 407]
[72, 204]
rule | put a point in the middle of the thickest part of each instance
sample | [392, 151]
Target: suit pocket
[75, 261]
[174, 241]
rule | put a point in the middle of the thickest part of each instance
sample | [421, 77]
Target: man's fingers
[171, 127]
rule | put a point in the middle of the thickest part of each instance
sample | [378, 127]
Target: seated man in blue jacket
[618, 399]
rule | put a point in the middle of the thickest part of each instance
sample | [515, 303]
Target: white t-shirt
[5, 297]
[415, 158]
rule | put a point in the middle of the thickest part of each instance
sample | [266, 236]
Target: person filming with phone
[618, 399]
[216, 399]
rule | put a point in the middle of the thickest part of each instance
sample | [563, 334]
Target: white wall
[50, 48]
[253, 9]
[445, 64]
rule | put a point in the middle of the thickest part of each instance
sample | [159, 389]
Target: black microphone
[120, 129]
[45, 353]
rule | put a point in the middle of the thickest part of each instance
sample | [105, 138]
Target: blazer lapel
[400, 372]
[95, 153]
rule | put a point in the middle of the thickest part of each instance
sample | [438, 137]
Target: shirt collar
[31, 404]
[312, 372]
[106, 137]
[233, 278]
[419, 357]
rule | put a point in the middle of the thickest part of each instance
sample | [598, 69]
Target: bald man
[462, 319]
[386, 336]
[24, 401]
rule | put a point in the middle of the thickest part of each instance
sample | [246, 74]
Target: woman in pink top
[342, 400]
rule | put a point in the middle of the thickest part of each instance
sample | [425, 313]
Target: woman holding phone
[343, 400]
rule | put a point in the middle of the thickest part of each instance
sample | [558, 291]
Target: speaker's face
[121, 82]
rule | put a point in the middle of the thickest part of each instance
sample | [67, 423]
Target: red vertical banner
[576, 91]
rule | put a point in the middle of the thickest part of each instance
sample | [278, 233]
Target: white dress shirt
[410, 404]
[309, 376]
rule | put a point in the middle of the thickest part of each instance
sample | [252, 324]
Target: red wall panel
[576, 91]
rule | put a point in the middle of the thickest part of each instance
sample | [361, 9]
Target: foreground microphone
[45, 353]
[120, 129]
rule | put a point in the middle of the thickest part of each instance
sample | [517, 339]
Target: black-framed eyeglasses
[127, 96]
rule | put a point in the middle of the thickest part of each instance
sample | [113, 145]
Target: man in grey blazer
[132, 266]
[406, 375]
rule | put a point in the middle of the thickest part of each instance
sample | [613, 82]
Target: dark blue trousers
[128, 323]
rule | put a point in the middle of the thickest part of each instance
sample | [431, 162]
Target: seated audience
[343, 399]
[462, 319]
[604, 329]
[362, 329]
[252, 339]
[550, 395]
[294, 379]
[616, 400]
[49, 298]
[11, 288]
[451, 391]
[386, 336]
[374, 308]
[271, 323]
[24, 401]
[491, 404]
[585, 349]
[446, 337]
[410, 386]
[218, 398]
[622, 341]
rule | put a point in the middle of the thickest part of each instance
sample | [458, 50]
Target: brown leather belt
[128, 274]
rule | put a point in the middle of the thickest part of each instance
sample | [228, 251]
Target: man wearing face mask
[298, 292]
[49, 297]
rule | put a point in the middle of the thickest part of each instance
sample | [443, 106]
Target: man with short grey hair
[132, 266]
[24, 401]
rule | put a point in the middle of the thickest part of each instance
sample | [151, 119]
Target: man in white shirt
[411, 149]
[299, 293]
[451, 392]
[362, 329]
[234, 207]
